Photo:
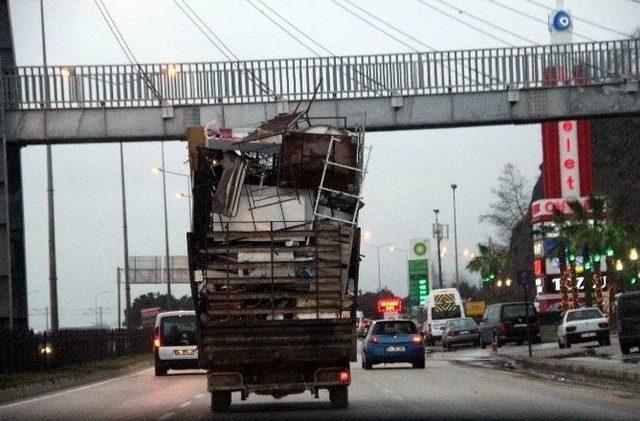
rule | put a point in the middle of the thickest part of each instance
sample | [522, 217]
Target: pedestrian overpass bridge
[106, 103]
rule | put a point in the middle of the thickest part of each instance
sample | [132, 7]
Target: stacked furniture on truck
[274, 256]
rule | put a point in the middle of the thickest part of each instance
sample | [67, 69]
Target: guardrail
[257, 81]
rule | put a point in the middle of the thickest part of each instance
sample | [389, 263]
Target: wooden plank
[241, 295]
[264, 280]
[278, 311]
[250, 248]
[268, 264]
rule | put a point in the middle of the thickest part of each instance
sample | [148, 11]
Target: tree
[154, 299]
[511, 201]
[591, 234]
[491, 263]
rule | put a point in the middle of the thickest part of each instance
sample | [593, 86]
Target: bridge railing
[252, 81]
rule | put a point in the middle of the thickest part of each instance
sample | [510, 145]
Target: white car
[174, 341]
[583, 325]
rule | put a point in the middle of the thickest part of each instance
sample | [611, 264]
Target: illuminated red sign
[542, 210]
[389, 305]
[538, 267]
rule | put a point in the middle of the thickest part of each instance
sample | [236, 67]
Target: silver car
[460, 331]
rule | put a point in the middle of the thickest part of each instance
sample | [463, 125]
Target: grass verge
[76, 373]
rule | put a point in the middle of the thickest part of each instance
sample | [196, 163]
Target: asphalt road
[445, 389]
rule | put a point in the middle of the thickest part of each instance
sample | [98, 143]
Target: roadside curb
[585, 369]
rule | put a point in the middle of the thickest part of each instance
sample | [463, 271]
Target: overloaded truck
[274, 255]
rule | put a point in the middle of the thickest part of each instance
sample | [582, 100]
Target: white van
[442, 305]
[175, 342]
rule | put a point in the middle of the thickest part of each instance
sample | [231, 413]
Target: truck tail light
[570, 329]
[417, 339]
[343, 376]
[374, 339]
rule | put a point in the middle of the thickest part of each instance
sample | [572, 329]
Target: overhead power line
[115, 31]
[596, 24]
[482, 31]
[298, 40]
[537, 19]
[306, 36]
[217, 42]
[406, 34]
[373, 25]
[486, 22]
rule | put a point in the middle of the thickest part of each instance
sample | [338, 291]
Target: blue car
[393, 341]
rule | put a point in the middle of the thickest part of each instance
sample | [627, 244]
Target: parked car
[507, 322]
[583, 325]
[628, 321]
[175, 342]
[393, 341]
[459, 332]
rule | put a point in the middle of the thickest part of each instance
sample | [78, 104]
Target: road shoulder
[20, 386]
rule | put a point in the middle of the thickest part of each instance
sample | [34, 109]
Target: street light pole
[455, 230]
[379, 278]
[438, 239]
[125, 237]
[166, 230]
[53, 275]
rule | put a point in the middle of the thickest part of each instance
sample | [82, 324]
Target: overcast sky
[410, 171]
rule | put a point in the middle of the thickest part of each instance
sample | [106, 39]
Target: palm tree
[491, 261]
[592, 234]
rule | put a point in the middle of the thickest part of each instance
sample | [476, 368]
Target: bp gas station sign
[419, 271]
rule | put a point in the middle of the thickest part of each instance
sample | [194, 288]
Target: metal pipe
[166, 230]
[125, 239]
[53, 276]
[455, 231]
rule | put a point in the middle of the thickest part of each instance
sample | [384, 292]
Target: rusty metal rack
[294, 272]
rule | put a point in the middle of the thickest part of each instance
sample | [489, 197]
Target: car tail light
[604, 325]
[452, 333]
[416, 339]
[343, 376]
[570, 329]
[156, 337]
[501, 326]
[374, 339]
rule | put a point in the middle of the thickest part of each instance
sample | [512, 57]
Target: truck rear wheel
[220, 401]
[339, 396]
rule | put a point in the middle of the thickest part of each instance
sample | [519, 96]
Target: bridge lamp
[508, 282]
[633, 254]
[156, 170]
[499, 283]
[619, 265]
[65, 72]
[172, 70]
[181, 195]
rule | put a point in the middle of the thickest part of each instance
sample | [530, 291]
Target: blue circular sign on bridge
[561, 21]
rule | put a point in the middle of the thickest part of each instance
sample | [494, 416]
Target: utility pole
[125, 236]
[166, 230]
[455, 231]
[438, 239]
[53, 276]
[119, 304]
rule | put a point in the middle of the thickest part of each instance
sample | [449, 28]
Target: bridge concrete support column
[13, 277]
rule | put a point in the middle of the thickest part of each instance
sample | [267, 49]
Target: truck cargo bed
[239, 342]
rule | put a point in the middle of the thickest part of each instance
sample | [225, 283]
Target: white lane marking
[200, 396]
[166, 416]
[185, 404]
[75, 389]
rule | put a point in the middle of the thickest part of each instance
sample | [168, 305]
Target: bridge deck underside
[382, 113]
